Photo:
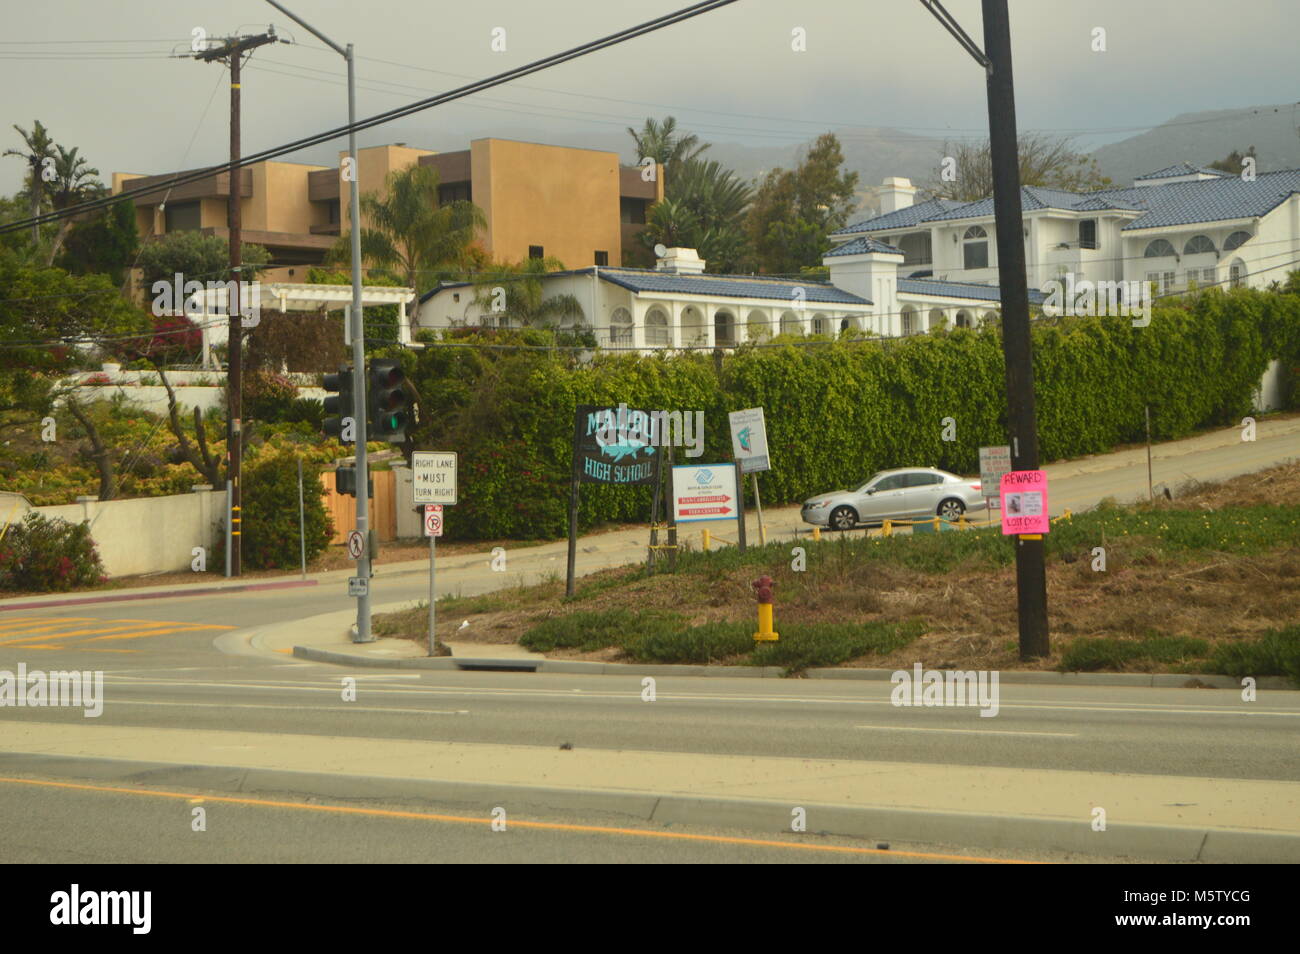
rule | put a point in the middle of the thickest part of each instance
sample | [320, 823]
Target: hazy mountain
[1202, 138]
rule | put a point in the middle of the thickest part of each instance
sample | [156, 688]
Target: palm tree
[39, 147]
[703, 208]
[514, 294]
[74, 182]
[409, 233]
[661, 142]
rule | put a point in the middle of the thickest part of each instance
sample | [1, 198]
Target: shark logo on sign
[743, 437]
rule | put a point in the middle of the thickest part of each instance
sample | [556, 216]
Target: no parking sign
[433, 520]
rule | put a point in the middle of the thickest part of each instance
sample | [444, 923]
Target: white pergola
[208, 310]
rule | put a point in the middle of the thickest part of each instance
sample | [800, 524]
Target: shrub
[41, 555]
[710, 642]
[268, 397]
[591, 630]
[830, 644]
[270, 515]
[1276, 653]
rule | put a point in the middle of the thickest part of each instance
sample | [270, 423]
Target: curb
[158, 594]
[1009, 832]
[577, 667]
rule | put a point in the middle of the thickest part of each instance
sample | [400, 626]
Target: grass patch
[1275, 653]
[471, 605]
[589, 631]
[401, 622]
[830, 644]
[708, 643]
[1094, 654]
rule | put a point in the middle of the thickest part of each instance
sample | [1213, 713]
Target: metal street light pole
[363, 634]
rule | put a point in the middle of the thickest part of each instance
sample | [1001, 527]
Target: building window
[916, 248]
[602, 258]
[1197, 244]
[656, 328]
[620, 328]
[1088, 233]
[975, 248]
[909, 321]
[335, 214]
[183, 216]
[1235, 240]
[1159, 249]
[1167, 283]
[631, 211]
[536, 251]
[1236, 274]
[454, 192]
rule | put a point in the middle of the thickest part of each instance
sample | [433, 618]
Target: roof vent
[679, 261]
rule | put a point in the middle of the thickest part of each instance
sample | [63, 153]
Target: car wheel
[951, 509]
[843, 518]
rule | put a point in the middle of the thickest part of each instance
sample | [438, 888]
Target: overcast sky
[100, 74]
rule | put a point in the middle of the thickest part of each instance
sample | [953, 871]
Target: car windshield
[869, 481]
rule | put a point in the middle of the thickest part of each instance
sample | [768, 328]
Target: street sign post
[432, 530]
[749, 447]
[433, 477]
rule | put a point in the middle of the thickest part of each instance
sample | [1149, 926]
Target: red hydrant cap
[763, 589]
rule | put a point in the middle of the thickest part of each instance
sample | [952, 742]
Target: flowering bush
[41, 555]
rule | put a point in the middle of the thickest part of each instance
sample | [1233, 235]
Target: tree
[411, 234]
[196, 257]
[794, 211]
[74, 182]
[105, 243]
[1233, 160]
[514, 295]
[662, 142]
[37, 147]
[1046, 161]
[704, 209]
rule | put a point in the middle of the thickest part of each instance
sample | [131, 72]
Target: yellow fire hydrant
[763, 590]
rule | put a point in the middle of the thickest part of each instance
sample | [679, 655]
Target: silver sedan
[907, 494]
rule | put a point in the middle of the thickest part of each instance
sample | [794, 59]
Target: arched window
[963, 319]
[620, 328]
[1235, 240]
[819, 324]
[724, 329]
[989, 316]
[1159, 249]
[975, 248]
[1197, 244]
[937, 318]
[909, 321]
[656, 328]
[758, 326]
[790, 324]
[1237, 274]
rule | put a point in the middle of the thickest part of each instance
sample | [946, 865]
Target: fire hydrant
[763, 591]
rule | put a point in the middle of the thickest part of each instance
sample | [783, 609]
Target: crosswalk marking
[86, 632]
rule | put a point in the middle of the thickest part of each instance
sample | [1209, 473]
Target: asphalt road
[166, 670]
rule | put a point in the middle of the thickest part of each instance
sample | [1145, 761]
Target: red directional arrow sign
[696, 511]
[698, 500]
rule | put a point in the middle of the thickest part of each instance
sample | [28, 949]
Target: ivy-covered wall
[839, 410]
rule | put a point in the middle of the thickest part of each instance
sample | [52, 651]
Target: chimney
[896, 193]
[680, 261]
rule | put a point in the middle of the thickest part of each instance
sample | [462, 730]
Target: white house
[677, 305]
[1180, 228]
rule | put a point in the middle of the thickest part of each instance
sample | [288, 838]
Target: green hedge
[839, 410]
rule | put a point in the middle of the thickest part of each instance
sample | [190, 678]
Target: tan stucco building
[577, 205]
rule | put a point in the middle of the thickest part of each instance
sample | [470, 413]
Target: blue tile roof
[1179, 169]
[861, 246]
[1222, 198]
[901, 218]
[971, 290]
[727, 286]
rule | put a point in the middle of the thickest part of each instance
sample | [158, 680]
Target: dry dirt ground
[970, 612]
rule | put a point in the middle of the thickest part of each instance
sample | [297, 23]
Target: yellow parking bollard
[887, 529]
[817, 534]
[706, 540]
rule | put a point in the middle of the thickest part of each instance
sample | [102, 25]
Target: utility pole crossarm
[952, 26]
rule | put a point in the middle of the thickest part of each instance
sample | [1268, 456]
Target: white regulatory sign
[749, 440]
[358, 586]
[433, 477]
[704, 492]
[356, 544]
[433, 520]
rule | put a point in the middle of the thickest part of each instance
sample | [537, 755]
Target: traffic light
[341, 403]
[391, 408]
[345, 481]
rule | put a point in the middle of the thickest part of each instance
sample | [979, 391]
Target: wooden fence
[383, 506]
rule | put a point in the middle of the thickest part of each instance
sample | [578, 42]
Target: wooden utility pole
[1031, 571]
[230, 51]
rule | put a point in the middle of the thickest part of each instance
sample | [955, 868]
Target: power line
[380, 119]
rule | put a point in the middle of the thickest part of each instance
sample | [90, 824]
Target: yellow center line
[167, 631]
[541, 826]
[130, 624]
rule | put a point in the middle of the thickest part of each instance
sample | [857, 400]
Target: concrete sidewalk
[1147, 816]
